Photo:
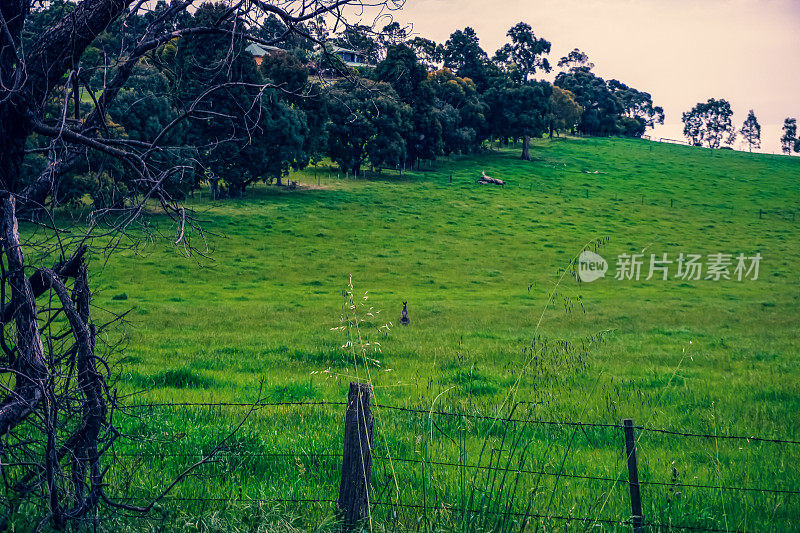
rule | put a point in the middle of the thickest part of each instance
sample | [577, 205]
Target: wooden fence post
[357, 459]
[633, 476]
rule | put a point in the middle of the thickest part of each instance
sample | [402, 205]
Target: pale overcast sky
[682, 52]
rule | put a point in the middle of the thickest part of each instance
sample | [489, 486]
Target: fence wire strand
[427, 412]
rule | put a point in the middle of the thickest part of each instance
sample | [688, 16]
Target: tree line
[420, 101]
[710, 123]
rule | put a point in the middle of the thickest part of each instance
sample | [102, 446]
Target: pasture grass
[497, 317]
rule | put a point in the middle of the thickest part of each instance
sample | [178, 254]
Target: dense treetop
[431, 99]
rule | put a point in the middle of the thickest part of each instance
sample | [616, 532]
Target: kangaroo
[404, 320]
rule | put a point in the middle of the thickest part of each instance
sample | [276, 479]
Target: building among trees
[260, 51]
[352, 58]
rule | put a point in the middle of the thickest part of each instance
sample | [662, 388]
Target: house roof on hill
[260, 49]
[340, 49]
[350, 57]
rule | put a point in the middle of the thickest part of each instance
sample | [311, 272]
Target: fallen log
[486, 180]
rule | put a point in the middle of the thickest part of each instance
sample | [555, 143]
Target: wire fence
[388, 460]
[430, 412]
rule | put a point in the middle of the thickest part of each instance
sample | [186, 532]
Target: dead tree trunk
[62, 381]
[27, 359]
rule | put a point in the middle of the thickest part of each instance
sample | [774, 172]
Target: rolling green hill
[497, 317]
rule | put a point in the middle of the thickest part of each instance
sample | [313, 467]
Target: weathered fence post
[633, 476]
[357, 459]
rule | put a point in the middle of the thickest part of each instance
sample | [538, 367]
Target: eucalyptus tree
[368, 122]
[751, 131]
[575, 60]
[710, 123]
[520, 111]
[601, 108]
[462, 54]
[565, 111]
[525, 52]
[461, 110]
[789, 139]
[637, 105]
[408, 76]
[427, 51]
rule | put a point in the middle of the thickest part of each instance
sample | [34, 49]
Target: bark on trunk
[44, 65]
[30, 364]
[13, 132]
[526, 141]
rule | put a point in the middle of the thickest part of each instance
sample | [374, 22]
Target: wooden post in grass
[633, 476]
[357, 459]
[760, 213]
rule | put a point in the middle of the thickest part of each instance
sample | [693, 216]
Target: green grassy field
[497, 317]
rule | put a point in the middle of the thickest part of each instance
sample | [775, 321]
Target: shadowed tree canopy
[463, 54]
[427, 51]
[520, 111]
[362, 39]
[462, 112]
[286, 71]
[392, 34]
[610, 107]
[274, 30]
[601, 109]
[637, 104]
[402, 70]
[367, 122]
[565, 111]
[409, 78]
